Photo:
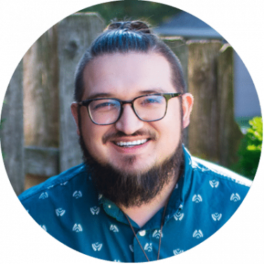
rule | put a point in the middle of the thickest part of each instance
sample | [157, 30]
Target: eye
[104, 105]
[152, 100]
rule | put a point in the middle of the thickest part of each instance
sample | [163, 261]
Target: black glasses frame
[167, 97]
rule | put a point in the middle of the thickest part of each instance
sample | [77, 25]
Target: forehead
[126, 75]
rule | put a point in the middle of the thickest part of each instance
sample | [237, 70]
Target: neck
[143, 213]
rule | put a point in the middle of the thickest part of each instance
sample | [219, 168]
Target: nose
[128, 123]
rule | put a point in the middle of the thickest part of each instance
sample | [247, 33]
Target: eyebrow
[109, 95]
[99, 95]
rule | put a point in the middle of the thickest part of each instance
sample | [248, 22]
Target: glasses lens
[104, 111]
[150, 107]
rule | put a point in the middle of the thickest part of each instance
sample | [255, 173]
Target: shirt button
[142, 233]
[109, 206]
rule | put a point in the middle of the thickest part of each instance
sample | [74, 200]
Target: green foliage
[250, 149]
[154, 13]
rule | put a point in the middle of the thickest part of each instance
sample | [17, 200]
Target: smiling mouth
[129, 144]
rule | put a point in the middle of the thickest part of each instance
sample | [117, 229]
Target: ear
[74, 110]
[187, 103]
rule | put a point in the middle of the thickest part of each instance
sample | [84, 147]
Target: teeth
[131, 143]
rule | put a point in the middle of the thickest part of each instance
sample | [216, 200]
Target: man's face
[126, 76]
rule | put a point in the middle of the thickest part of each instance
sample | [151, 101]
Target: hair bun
[136, 25]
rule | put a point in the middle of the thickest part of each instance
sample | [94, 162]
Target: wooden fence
[38, 133]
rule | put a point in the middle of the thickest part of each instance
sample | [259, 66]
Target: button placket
[138, 253]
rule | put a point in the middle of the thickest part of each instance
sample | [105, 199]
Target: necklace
[161, 227]
[161, 224]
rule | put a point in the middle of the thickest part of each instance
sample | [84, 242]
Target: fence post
[41, 109]
[75, 34]
[229, 132]
[41, 124]
[213, 132]
[12, 140]
[204, 125]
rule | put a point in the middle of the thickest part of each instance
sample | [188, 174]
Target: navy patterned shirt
[70, 209]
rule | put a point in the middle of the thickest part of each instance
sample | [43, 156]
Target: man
[139, 195]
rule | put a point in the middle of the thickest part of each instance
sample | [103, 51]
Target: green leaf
[250, 149]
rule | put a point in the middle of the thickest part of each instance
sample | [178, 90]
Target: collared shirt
[70, 209]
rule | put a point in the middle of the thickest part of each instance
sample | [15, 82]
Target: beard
[127, 188]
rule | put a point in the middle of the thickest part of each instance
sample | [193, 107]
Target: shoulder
[204, 167]
[69, 178]
[209, 178]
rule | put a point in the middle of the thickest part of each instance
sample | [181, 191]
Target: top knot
[130, 26]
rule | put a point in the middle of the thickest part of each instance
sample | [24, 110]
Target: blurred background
[38, 136]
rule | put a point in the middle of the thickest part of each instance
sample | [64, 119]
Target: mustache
[116, 135]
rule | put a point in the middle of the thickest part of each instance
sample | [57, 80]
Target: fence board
[41, 108]
[75, 34]
[202, 73]
[12, 140]
[229, 131]
[41, 161]
[41, 96]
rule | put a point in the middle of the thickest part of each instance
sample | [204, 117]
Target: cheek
[167, 142]
[92, 133]
[170, 129]
[92, 136]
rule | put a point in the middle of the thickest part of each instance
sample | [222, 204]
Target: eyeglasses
[148, 108]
